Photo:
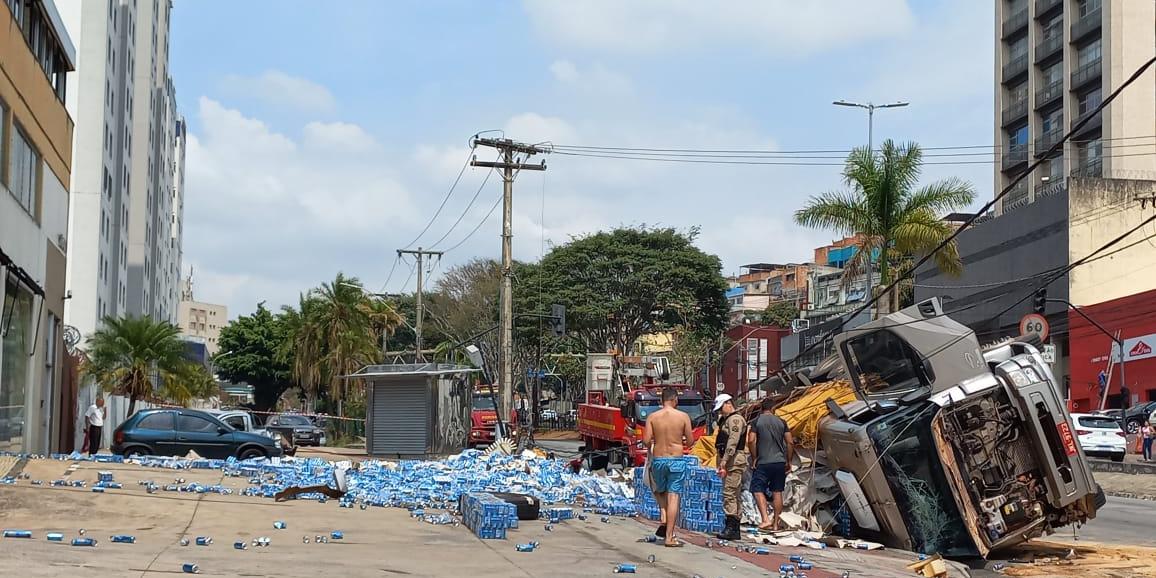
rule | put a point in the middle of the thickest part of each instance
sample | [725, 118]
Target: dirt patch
[1087, 561]
[558, 435]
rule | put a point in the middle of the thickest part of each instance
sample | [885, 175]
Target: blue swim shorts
[668, 474]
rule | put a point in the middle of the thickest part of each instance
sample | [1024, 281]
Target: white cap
[721, 399]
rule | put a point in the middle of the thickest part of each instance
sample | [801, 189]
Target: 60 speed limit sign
[1035, 323]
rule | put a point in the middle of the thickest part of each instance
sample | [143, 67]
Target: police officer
[731, 453]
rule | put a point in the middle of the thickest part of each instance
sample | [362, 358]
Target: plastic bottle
[337, 535]
[524, 547]
[625, 569]
[190, 568]
[795, 558]
[549, 528]
[122, 539]
[17, 534]
[240, 545]
[204, 540]
[279, 525]
[54, 537]
[806, 566]
[90, 542]
[184, 541]
[649, 539]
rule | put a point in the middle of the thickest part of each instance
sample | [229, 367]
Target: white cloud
[533, 128]
[595, 79]
[771, 26]
[339, 136]
[279, 89]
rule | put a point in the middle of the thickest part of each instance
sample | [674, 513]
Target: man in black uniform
[731, 453]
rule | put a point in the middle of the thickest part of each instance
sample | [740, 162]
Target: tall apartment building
[36, 55]
[123, 162]
[1055, 62]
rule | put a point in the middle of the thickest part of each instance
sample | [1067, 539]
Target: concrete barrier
[1125, 467]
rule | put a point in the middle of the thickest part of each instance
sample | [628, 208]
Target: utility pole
[510, 165]
[419, 254]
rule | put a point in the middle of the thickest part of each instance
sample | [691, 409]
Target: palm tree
[128, 354]
[341, 318]
[303, 348]
[383, 318]
[894, 216]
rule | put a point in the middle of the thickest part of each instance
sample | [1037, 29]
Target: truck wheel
[1101, 498]
[599, 462]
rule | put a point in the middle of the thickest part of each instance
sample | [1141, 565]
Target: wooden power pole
[419, 254]
[510, 165]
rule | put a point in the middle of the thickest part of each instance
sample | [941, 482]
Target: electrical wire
[478, 226]
[445, 199]
[466, 211]
[396, 260]
[784, 161]
[951, 238]
[412, 270]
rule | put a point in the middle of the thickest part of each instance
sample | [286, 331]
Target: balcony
[1015, 156]
[1015, 111]
[1095, 122]
[1049, 47]
[1015, 68]
[1087, 25]
[1046, 140]
[1016, 197]
[1049, 94]
[1044, 7]
[1050, 187]
[1091, 168]
[1015, 22]
[1086, 74]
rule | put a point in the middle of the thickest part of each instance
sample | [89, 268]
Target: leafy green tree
[895, 216]
[780, 314]
[127, 355]
[620, 285]
[250, 353]
[193, 381]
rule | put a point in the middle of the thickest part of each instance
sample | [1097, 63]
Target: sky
[324, 136]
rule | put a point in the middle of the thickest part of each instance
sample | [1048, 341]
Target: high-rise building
[36, 55]
[1055, 62]
[122, 217]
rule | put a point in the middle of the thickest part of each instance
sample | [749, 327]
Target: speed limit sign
[1035, 323]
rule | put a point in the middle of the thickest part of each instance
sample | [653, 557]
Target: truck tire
[528, 507]
[1101, 498]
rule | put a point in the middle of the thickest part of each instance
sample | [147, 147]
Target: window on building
[1017, 48]
[1089, 158]
[1017, 139]
[1018, 93]
[1052, 74]
[16, 317]
[1053, 27]
[1086, 7]
[1088, 53]
[1053, 122]
[23, 166]
[1088, 101]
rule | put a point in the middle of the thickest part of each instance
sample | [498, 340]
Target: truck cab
[949, 447]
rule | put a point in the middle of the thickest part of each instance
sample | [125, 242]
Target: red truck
[614, 434]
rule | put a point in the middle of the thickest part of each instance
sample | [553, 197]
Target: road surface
[1123, 521]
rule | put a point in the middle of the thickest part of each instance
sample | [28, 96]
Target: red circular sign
[1035, 323]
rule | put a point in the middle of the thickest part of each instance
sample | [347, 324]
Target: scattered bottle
[549, 528]
[263, 541]
[17, 534]
[81, 531]
[524, 547]
[55, 537]
[788, 568]
[605, 519]
[204, 540]
[279, 525]
[97, 490]
[89, 542]
[795, 558]
[304, 539]
[649, 539]
[240, 545]
[190, 569]
[625, 569]
[650, 559]
[122, 539]
[184, 541]
[806, 566]
[762, 551]
[337, 535]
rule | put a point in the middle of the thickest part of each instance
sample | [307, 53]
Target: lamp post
[870, 107]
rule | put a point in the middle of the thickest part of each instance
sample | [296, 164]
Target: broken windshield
[915, 475]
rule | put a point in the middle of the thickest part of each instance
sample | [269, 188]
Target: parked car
[1101, 436]
[549, 415]
[176, 432]
[298, 429]
[242, 420]
[1136, 415]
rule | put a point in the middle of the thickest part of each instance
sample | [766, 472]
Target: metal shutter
[400, 420]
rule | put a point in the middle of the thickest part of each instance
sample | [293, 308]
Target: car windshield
[293, 420]
[916, 479]
[692, 407]
[1099, 423]
[483, 402]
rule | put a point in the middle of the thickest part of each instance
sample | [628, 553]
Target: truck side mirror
[624, 410]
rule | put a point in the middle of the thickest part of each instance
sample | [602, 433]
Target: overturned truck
[946, 447]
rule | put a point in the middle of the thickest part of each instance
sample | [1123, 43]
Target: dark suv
[297, 429]
[174, 432]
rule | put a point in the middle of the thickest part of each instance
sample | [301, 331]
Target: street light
[870, 106]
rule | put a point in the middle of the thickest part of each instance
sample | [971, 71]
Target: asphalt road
[1123, 521]
[563, 448]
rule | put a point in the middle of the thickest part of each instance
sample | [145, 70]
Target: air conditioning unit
[798, 325]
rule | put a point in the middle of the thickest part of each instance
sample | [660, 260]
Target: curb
[1130, 495]
[1110, 467]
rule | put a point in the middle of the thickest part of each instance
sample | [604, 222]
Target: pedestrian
[1148, 435]
[94, 418]
[772, 452]
[731, 451]
[667, 434]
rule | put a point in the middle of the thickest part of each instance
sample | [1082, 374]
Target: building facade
[1055, 62]
[200, 322]
[123, 180]
[752, 355]
[36, 131]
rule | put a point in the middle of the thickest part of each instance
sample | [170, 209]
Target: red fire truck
[620, 393]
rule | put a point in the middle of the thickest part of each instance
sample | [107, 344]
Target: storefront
[1134, 317]
[16, 338]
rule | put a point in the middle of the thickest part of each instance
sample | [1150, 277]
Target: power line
[390, 275]
[466, 210]
[785, 161]
[950, 238]
[478, 226]
[790, 155]
[445, 199]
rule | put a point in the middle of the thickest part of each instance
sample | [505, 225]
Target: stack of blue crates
[557, 513]
[701, 508]
[488, 516]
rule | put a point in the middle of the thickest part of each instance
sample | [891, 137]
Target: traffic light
[558, 315]
[1040, 303]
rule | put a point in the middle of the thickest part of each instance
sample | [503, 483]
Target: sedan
[1100, 436]
[297, 429]
[176, 432]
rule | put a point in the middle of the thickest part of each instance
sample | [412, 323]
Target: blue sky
[325, 134]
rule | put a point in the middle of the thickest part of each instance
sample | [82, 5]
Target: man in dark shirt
[772, 450]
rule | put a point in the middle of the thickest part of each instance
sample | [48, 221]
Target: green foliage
[780, 314]
[127, 355]
[251, 352]
[620, 285]
[884, 203]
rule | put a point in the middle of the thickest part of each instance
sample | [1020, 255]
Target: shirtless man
[668, 430]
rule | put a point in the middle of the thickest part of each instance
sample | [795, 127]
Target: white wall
[54, 209]
[20, 237]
